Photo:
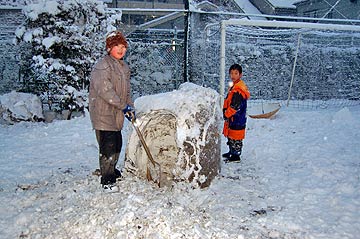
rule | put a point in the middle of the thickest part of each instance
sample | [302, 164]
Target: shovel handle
[147, 150]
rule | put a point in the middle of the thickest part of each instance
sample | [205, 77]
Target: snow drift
[17, 106]
[298, 179]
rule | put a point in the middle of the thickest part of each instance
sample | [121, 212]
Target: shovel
[150, 157]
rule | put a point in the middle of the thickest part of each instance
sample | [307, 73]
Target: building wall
[138, 17]
[345, 9]
[264, 6]
[267, 7]
[285, 11]
[156, 4]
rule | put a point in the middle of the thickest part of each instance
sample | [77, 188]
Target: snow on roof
[161, 20]
[299, 1]
[206, 6]
[283, 3]
[249, 8]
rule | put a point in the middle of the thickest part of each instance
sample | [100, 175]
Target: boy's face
[235, 75]
[118, 51]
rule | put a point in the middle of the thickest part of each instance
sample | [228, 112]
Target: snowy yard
[299, 178]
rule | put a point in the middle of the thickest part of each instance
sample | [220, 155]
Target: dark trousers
[235, 146]
[110, 143]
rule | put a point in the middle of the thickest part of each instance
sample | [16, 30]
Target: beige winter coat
[109, 93]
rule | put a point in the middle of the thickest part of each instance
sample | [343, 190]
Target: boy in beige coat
[109, 101]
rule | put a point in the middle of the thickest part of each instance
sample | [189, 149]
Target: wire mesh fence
[298, 67]
[302, 67]
[157, 61]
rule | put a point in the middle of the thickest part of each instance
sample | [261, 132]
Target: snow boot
[110, 188]
[233, 158]
[96, 172]
[106, 180]
[227, 155]
[117, 173]
[108, 184]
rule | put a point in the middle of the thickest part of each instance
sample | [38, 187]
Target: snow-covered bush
[61, 40]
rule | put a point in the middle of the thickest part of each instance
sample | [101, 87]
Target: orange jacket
[235, 119]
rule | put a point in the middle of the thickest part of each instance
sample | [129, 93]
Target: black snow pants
[110, 143]
[235, 146]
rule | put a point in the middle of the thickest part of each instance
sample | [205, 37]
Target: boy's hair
[235, 67]
[115, 38]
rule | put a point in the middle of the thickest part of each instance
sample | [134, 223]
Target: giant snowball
[181, 130]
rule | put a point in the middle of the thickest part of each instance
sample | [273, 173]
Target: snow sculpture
[17, 106]
[181, 129]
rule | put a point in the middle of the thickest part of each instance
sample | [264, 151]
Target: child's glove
[129, 113]
[224, 117]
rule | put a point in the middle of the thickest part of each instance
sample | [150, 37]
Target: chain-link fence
[302, 67]
[156, 59]
[327, 66]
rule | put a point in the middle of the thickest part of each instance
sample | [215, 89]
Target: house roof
[300, 1]
[248, 8]
[283, 3]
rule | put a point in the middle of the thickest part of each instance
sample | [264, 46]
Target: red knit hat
[115, 38]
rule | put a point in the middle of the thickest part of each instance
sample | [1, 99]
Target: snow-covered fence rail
[303, 64]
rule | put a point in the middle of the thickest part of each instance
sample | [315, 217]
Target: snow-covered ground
[299, 178]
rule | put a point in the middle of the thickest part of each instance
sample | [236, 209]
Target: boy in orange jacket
[234, 112]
